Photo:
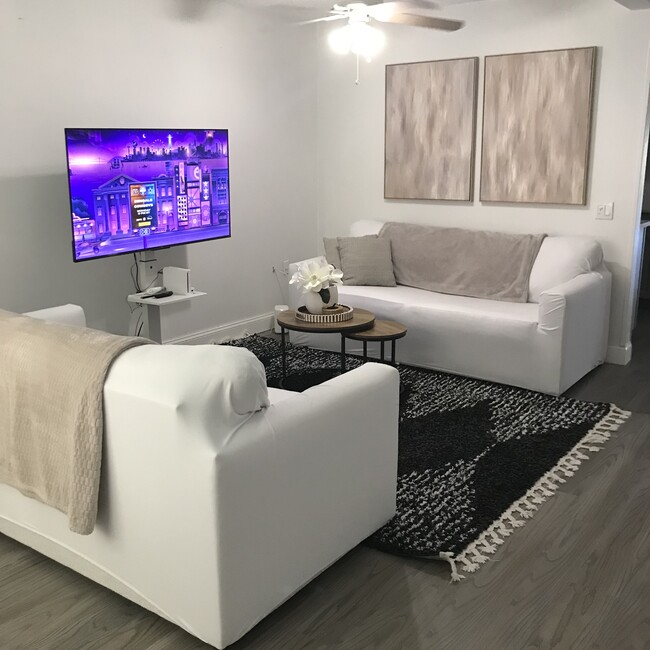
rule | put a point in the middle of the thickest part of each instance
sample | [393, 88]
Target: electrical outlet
[605, 211]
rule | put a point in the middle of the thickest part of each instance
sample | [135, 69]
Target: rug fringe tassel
[519, 512]
[449, 557]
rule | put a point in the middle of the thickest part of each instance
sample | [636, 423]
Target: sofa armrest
[578, 311]
[65, 314]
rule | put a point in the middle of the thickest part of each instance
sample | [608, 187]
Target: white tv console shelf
[167, 317]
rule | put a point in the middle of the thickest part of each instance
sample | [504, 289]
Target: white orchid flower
[311, 277]
[336, 276]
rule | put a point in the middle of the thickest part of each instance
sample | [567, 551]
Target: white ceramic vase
[314, 303]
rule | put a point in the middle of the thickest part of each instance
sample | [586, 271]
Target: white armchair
[220, 499]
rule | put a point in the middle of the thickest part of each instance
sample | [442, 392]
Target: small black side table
[361, 319]
[382, 331]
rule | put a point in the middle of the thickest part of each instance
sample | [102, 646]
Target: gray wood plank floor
[576, 576]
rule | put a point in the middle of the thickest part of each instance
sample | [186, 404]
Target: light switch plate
[605, 211]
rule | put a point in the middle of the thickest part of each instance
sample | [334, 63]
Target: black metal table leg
[365, 350]
[284, 354]
[342, 352]
[382, 350]
[392, 356]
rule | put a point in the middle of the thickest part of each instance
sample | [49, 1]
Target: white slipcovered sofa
[545, 344]
[220, 499]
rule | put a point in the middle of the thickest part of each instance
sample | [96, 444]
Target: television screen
[134, 190]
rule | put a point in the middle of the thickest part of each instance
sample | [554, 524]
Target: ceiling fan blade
[419, 4]
[386, 10]
[321, 20]
[424, 21]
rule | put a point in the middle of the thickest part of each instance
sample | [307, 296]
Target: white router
[176, 280]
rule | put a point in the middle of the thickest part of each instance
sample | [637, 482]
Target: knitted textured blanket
[51, 412]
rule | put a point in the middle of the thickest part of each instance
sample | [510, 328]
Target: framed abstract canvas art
[537, 126]
[430, 130]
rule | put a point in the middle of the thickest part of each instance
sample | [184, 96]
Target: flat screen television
[134, 190]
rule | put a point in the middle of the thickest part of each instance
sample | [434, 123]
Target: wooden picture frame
[537, 109]
[430, 130]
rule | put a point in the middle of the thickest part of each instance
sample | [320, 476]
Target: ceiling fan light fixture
[357, 37]
[339, 40]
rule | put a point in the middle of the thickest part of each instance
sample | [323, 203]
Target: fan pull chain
[357, 82]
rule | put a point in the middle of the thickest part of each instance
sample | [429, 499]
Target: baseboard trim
[619, 355]
[229, 331]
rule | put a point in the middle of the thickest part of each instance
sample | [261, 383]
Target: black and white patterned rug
[476, 459]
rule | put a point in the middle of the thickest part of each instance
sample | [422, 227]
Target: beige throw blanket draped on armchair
[51, 412]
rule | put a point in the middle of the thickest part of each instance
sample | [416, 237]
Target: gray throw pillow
[366, 261]
[331, 245]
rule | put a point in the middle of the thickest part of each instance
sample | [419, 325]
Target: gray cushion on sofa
[331, 245]
[366, 261]
[332, 253]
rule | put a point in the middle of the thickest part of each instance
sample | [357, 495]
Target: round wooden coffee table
[382, 331]
[361, 320]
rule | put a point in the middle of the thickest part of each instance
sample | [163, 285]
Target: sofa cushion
[412, 298]
[332, 250]
[331, 245]
[366, 261]
[560, 259]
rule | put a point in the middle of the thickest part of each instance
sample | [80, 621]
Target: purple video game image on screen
[132, 190]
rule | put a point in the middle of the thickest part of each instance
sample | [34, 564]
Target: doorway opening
[642, 296]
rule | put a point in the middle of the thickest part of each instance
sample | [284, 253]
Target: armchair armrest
[578, 312]
[304, 482]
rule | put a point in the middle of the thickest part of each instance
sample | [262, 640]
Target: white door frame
[639, 233]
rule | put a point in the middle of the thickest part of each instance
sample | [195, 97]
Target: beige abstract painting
[536, 126]
[430, 130]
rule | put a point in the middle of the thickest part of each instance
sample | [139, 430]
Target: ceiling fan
[402, 12]
[363, 40]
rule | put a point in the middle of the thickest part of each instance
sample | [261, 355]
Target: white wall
[123, 63]
[302, 135]
[351, 125]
